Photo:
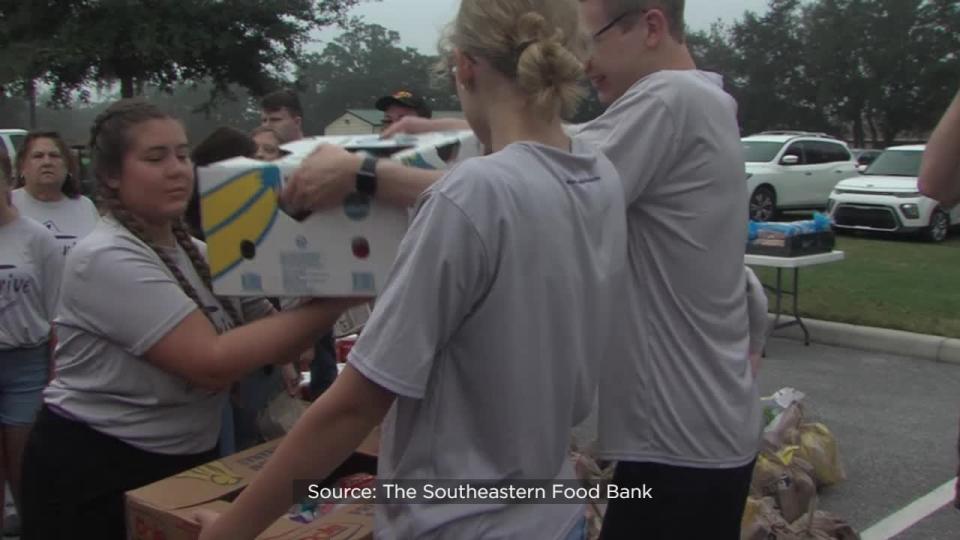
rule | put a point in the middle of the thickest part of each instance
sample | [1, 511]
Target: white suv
[886, 198]
[793, 170]
[10, 140]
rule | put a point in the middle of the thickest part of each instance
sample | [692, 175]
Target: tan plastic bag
[590, 473]
[783, 430]
[819, 447]
[787, 479]
[281, 414]
[762, 521]
[823, 525]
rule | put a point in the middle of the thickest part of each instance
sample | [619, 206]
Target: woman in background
[50, 192]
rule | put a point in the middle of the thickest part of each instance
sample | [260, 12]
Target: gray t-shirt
[680, 390]
[119, 300]
[68, 219]
[486, 330]
[30, 271]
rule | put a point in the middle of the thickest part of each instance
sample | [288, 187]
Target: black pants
[74, 479]
[684, 504]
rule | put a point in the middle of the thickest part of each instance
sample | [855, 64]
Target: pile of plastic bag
[796, 459]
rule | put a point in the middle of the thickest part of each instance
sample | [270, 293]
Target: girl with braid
[145, 350]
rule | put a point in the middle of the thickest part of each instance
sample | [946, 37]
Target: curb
[882, 340]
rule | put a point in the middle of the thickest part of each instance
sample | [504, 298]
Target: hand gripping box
[164, 510]
[255, 248]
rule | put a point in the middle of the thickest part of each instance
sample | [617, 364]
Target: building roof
[374, 117]
[370, 116]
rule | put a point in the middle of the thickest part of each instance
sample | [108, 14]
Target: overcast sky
[419, 21]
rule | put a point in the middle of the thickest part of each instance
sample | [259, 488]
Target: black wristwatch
[367, 176]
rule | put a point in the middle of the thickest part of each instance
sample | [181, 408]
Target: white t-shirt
[679, 391]
[495, 309]
[69, 219]
[119, 300]
[30, 271]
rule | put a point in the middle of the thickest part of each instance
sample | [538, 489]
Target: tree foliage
[876, 69]
[74, 44]
[363, 64]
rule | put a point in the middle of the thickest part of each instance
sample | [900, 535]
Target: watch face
[357, 206]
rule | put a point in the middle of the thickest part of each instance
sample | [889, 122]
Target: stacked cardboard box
[164, 509]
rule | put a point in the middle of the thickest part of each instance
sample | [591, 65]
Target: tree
[836, 42]
[937, 35]
[772, 75]
[848, 67]
[360, 66]
[72, 44]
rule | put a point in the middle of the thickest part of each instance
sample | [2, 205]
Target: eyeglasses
[614, 21]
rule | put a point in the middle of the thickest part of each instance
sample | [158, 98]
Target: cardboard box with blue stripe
[255, 248]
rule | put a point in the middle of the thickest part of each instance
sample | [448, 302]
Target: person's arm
[323, 438]
[940, 171]
[193, 349]
[329, 175]
[123, 292]
[414, 124]
[401, 185]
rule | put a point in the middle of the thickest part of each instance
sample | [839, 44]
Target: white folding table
[796, 263]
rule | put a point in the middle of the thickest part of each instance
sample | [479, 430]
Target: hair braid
[203, 269]
[132, 224]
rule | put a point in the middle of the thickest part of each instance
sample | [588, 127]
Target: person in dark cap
[401, 104]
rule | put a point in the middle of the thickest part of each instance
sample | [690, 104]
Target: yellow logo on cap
[403, 94]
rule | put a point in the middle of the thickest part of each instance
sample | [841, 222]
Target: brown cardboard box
[163, 510]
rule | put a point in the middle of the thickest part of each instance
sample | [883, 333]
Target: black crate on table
[793, 246]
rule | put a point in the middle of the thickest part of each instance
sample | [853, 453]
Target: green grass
[887, 282]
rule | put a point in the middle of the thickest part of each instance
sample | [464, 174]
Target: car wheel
[763, 204]
[939, 226]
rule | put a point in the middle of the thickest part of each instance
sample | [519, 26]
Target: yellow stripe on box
[223, 247]
[223, 202]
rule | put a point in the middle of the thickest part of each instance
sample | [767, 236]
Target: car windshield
[896, 163]
[760, 152]
[17, 140]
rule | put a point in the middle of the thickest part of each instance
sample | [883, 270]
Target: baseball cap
[406, 99]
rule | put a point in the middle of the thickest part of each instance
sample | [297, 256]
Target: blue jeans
[23, 376]
[579, 531]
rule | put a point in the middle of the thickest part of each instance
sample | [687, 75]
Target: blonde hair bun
[534, 42]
